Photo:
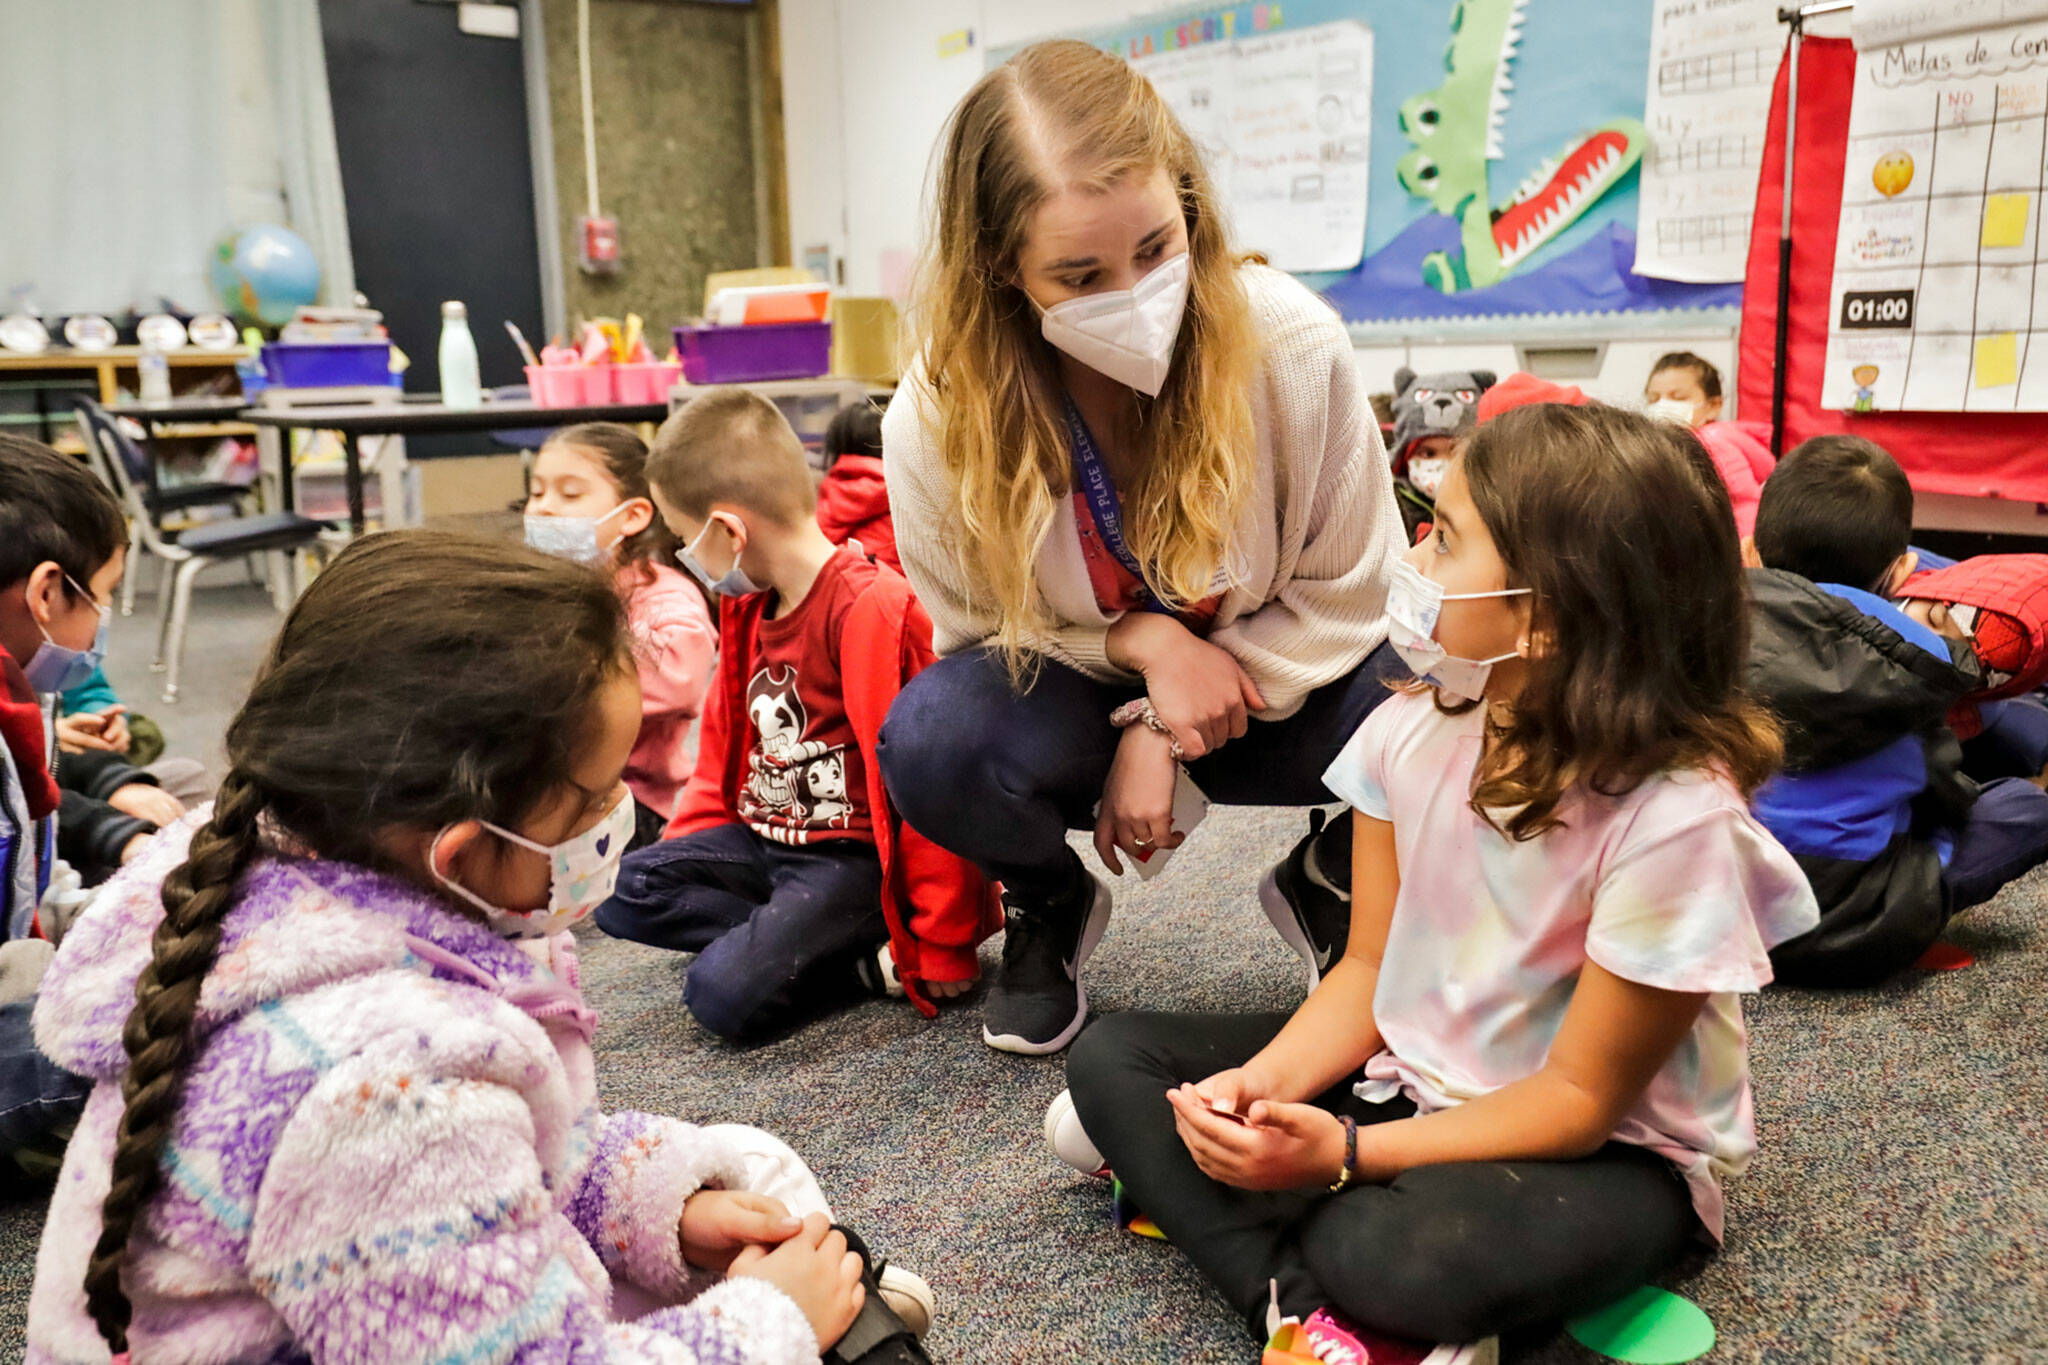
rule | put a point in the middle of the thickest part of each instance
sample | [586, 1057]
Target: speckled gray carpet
[1898, 1211]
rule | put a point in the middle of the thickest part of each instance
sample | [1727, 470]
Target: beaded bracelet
[1140, 712]
[1350, 1153]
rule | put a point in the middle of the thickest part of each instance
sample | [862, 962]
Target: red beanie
[1518, 390]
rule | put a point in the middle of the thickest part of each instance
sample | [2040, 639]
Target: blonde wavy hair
[1060, 115]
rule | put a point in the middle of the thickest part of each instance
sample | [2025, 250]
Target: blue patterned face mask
[735, 582]
[58, 668]
[582, 871]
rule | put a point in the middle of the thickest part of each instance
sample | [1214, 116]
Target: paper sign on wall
[1709, 98]
[1940, 286]
[1284, 120]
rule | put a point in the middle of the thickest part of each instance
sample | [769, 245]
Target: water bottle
[460, 385]
[153, 376]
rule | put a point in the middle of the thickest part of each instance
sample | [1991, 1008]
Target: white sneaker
[1069, 1142]
[909, 1297]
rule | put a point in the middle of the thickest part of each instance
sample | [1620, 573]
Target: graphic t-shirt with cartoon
[805, 776]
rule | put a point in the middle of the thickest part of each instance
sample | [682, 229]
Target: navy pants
[999, 777]
[1445, 1253]
[776, 928]
[2005, 838]
[39, 1101]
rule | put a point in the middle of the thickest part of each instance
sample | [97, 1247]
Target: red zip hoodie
[853, 504]
[938, 906]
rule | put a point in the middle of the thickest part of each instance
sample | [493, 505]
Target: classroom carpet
[1898, 1210]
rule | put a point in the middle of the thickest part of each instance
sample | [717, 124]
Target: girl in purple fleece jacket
[339, 1114]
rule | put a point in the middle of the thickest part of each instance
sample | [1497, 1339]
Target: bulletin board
[1501, 144]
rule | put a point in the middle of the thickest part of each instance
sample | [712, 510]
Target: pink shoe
[1329, 1339]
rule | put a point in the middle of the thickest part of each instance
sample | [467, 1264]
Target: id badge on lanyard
[1093, 477]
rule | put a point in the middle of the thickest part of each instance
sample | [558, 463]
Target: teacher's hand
[1198, 689]
[1137, 800]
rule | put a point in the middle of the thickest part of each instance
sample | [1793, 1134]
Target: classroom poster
[1711, 67]
[1284, 121]
[1938, 290]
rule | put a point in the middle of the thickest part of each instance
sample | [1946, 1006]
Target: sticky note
[2005, 220]
[1998, 361]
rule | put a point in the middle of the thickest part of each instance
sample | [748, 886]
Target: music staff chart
[1730, 70]
[1938, 289]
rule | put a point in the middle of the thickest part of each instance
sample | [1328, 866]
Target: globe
[262, 274]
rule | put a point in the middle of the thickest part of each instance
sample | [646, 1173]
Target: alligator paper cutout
[1456, 129]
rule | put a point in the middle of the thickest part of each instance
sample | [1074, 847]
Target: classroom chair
[129, 470]
[159, 501]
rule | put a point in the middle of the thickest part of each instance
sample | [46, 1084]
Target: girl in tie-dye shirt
[1516, 1095]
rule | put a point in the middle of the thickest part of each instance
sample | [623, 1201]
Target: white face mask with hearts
[1413, 604]
[582, 869]
[1126, 334]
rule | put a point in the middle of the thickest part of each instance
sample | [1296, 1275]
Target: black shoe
[1037, 1004]
[1312, 914]
[880, 1335]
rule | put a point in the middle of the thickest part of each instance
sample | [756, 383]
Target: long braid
[158, 1035]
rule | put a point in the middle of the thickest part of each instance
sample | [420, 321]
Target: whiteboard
[1284, 121]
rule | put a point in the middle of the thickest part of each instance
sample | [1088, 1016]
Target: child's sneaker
[877, 973]
[1330, 1339]
[908, 1296]
[1311, 912]
[1063, 1133]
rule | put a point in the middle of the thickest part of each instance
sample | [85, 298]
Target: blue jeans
[998, 777]
[776, 928]
[39, 1100]
[2005, 838]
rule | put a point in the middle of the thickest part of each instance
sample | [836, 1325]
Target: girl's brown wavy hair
[1057, 115]
[1624, 533]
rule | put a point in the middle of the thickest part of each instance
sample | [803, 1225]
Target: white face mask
[570, 537]
[582, 869]
[1126, 334]
[734, 583]
[1413, 605]
[1676, 411]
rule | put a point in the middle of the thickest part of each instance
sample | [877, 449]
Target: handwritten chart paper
[1940, 286]
[1711, 67]
[1284, 120]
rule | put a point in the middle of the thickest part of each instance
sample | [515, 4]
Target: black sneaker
[1037, 1004]
[897, 1313]
[1312, 915]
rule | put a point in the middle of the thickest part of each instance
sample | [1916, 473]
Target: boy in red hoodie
[785, 869]
[853, 503]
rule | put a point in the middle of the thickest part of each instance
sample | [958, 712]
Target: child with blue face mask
[344, 1099]
[587, 501]
[63, 546]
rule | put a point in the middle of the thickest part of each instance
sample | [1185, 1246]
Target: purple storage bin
[327, 364]
[736, 355]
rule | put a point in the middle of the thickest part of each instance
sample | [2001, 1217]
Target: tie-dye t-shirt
[1673, 886]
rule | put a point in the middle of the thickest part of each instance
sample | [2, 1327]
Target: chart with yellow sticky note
[2005, 220]
[1940, 290]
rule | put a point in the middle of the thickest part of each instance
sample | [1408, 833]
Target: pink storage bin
[597, 384]
[644, 383]
[556, 386]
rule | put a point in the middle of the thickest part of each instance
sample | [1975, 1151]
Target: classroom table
[210, 408]
[419, 414]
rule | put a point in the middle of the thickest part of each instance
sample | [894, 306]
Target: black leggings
[1442, 1253]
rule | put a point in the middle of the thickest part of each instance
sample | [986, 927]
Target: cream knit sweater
[1315, 544]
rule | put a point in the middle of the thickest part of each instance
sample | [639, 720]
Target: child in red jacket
[853, 503]
[785, 868]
